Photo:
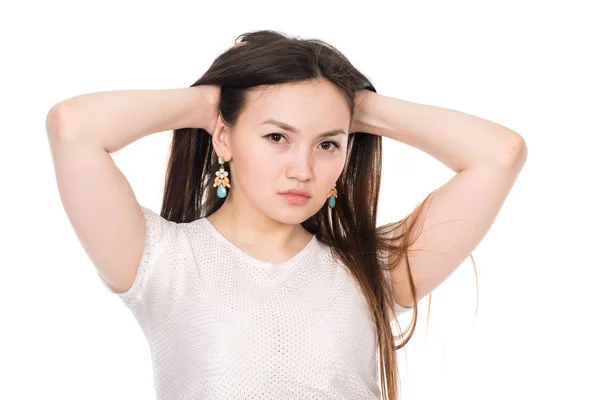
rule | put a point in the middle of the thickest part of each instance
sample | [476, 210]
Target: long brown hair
[271, 58]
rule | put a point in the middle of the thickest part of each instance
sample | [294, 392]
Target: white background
[531, 66]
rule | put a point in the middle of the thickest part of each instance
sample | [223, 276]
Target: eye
[337, 146]
[275, 135]
[279, 135]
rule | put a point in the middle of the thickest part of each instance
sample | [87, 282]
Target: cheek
[255, 171]
[329, 179]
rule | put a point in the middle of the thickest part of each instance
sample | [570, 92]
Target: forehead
[315, 105]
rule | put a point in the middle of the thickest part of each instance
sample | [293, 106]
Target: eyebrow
[290, 128]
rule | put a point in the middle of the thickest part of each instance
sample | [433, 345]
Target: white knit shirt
[223, 325]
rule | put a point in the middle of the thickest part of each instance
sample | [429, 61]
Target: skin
[254, 216]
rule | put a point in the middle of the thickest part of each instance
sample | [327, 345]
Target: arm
[456, 139]
[116, 119]
[96, 196]
[487, 159]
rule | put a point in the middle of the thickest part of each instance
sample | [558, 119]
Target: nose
[300, 165]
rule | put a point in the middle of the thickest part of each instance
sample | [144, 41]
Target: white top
[223, 325]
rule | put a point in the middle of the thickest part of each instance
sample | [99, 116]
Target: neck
[247, 227]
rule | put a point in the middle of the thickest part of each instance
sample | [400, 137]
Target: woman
[265, 276]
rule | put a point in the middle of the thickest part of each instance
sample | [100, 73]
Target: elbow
[515, 153]
[55, 121]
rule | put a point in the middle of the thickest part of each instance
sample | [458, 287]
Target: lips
[298, 192]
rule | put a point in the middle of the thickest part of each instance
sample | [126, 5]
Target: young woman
[265, 275]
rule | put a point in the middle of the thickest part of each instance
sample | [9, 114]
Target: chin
[291, 215]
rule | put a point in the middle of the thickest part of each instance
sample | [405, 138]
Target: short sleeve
[160, 232]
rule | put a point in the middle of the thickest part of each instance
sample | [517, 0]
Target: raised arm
[96, 196]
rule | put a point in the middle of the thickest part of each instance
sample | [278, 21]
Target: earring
[332, 196]
[221, 180]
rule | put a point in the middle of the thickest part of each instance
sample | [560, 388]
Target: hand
[211, 95]
[357, 123]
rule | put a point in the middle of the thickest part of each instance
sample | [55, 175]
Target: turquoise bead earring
[332, 196]
[221, 180]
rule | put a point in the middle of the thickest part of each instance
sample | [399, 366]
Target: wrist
[196, 106]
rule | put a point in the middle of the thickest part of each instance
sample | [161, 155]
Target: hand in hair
[358, 120]
[207, 109]
[212, 97]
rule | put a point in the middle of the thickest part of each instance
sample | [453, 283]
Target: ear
[221, 139]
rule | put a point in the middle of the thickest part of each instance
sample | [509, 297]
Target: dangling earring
[221, 180]
[332, 196]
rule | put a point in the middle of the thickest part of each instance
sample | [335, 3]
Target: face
[267, 158]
